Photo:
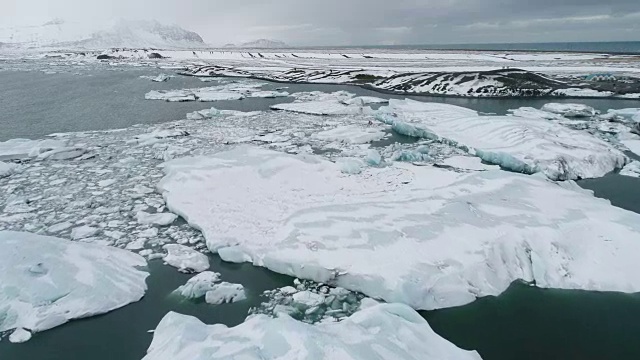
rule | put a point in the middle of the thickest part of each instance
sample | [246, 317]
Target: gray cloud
[354, 22]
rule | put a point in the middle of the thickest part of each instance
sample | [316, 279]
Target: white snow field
[389, 332]
[517, 144]
[419, 235]
[47, 281]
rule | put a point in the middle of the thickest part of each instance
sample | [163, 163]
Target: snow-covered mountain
[261, 44]
[46, 34]
[123, 33]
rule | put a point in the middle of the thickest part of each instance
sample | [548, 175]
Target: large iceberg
[419, 235]
[384, 332]
[47, 281]
[518, 144]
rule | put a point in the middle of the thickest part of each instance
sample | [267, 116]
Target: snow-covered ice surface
[47, 281]
[352, 134]
[518, 144]
[402, 233]
[388, 331]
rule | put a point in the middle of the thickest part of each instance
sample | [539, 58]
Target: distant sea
[612, 47]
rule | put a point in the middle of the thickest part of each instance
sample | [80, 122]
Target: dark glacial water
[523, 323]
[33, 104]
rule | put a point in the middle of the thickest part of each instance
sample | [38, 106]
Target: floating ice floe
[517, 144]
[47, 281]
[6, 169]
[204, 95]
[389, 331]
[160, 219]
[269, 94]
[158, 78]
[20, 149]
[225, 293]
[351, 134]
[185, 258]
[570, 110]
[322, 107]
[419, 235]
[230, 91]
[171, 95]
[632, 114]
[365, 100]
[533, 113]
[632, 169]
[199, 285]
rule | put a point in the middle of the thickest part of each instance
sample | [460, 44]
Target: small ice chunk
[217, 95]
[269, 94]
[160, 219]
[148, 233]
[199, 285]
[171, 95]
[7, 169]
[185, 258]
[308, 298]
[570, 110]
[19, 335]
[632, 169]
[160, 78]
[373, 158]
[225, 293]
[350, 165]
[234, 254]
[106, 183]
[83, 232]
[56, 228]
[64, 153]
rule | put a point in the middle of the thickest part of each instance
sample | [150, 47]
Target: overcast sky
[357, 22]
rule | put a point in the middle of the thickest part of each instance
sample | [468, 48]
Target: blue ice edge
[505, 161]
